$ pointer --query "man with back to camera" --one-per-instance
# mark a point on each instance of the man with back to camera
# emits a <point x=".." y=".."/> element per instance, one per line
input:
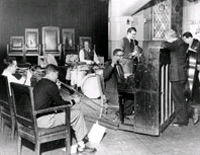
<point x="177" y="75"/>
<point x="46" y="94"/>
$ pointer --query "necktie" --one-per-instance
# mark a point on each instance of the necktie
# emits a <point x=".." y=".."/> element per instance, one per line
<point x="131" y="44"/>
<point x="120" y="72"/>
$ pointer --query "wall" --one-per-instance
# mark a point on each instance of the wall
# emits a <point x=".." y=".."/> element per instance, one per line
<point x="191" y="18"/>
<point x="88" y="17"/>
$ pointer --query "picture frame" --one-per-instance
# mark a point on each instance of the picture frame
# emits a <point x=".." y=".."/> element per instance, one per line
<point x="31" y="38"/>
<point x="68" y="38"/>
<point x="82" y="39"/>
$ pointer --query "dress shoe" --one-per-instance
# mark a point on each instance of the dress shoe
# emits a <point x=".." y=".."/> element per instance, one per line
<point x="195" y="118"/>
<point x="86" y="149"/>
<point x="176" y="124"/>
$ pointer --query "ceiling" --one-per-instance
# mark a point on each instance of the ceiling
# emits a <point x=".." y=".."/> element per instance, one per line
<point x="131" y="7"/>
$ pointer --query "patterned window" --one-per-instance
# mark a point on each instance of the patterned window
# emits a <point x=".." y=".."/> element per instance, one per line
<point x="161" y="19"/>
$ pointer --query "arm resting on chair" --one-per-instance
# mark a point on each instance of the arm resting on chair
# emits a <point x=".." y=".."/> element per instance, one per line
<point x="53" y="109"/>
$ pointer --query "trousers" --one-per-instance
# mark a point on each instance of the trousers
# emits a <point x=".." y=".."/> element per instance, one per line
<point x="181" y="106"/>
<point x="77" y="121"/>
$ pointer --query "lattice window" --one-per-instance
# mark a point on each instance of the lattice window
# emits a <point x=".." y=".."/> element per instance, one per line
<point x="161" y="19"/>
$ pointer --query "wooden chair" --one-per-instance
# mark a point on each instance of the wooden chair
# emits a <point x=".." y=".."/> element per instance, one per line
<point x="51" y="41"/>
<point x="16" y="46"/>
<point x="26" y="118"/>
<point x="6" y="106"/>
<point x="32" y="46"/>
<point x="68" y="40"/>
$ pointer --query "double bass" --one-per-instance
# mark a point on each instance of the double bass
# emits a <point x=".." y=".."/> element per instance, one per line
<point x="191" y="68"/>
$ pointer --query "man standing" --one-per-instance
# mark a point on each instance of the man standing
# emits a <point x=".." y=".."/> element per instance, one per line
<point x="132" y="52"/>
<point x="177" y="75"/>
<point x="46" y="94"/>
<point x="194" y="49"/>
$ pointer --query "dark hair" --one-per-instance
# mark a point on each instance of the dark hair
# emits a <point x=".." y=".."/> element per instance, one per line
<point x="51" y="68"/>
<point x="9" y="61"/>
<point x="130" y="29"/>
<point x="117" y="50"/>
<point x="187" y="34"/>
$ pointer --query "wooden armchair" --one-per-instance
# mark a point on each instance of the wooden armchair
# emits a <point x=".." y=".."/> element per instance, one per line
<point x="16" y="46"/>
<point x="51" y="41"/>
<point x="32" y="46"/>
<point x="26" y="116"/>
<point x="6" y="106"/>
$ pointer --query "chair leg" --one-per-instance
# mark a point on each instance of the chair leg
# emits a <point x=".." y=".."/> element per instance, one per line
<point x="2" y="125"/>
<point x="19" y="147"/>
<point x="68" y="145"/>
<point x="12" y="130"/>
<point x="37" y="148"/>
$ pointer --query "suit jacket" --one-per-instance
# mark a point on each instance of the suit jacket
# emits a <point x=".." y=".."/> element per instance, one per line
<point x="127" y="47"/>
<point x="196" y="47"/>
<point x="177" y="69"/>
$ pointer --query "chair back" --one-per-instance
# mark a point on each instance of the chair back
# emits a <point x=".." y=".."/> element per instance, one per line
<point x="4" y="88"/>
<point x="51" y="40"/>
<point x="16" y="46"/>
<point x="32" y="47"/>
<point x="25" y="114"/>
<point x="23" y="105"/>
<point x="6" y="106"/>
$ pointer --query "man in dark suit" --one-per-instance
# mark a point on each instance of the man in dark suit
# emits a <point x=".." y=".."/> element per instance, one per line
<point x="111" y="76"/>
<point x="177" y="75"/>
<point x="132" y="52"/>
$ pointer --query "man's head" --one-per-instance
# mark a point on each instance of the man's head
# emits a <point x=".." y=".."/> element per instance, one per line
<point x="118" y="55"/>
<point x="86" y="45"/>
<point x="187" y="37"/>
<point x="51" y="72"/>
<point x="171" y="35"/>
<point x="131" y="33"/>
<point x="11" y="63"/>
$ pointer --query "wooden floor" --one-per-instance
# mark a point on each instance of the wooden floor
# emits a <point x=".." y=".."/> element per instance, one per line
<point x="174" y="141"/>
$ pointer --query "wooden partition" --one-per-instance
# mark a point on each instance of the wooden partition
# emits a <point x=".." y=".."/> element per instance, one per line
<point x="154" y="109"/>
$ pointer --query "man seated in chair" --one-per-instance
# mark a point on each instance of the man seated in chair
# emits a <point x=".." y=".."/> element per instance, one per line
<point x="111" y="76"/>
<point x="10" y="70"/>
<point x="46" y="94"/>
<point x="88" y="55"/>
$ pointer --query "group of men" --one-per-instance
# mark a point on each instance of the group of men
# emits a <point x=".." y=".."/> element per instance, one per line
<point x="179" y="48"/>
<point x="46" y="94"/>
<point x="123" y="63"/>
<point x="46" y="91"/>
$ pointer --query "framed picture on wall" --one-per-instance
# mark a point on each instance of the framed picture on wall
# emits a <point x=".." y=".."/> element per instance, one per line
<point x="82" y="39"/>
<point x="68" y="38"/>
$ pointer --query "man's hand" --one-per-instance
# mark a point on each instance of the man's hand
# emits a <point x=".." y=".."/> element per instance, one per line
<point x="76" y="98"/>
<point x="29" y="74"/>
<point x="90" y="62"/>
<point x="114" y="61"/>
<point x="134" y="54"/>
<point x="198" y="67"/>
<point x="58" y="83"/>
